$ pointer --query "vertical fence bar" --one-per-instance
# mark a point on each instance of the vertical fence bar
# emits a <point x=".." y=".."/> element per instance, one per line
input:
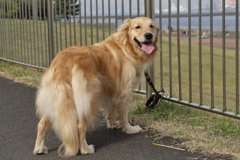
<point x="41" y="33"/>
<point x="8" y="33"/>
<point x="22" y="32"/>
<point x="116" y="15"/>
<point x="138" y="8"/>
<point x="149" y="12"/>
<point x="37" y="28"/>
<point x="211" y="54"/>
<point x="85" y="22"/>
<point x="170" y="47"/>
<point x="80" y="23"/>
<point x="30" y="31"/>
<point x="57" y="24"/>
<point x="122" y="10"/>
<point x="16" y="35"/>
<point x="65" y="23"/>
<point x="224" y="55"/>
<point x="5" y="33"/>
<point x="130" y="8"/>
<point x="109" y="18"/>
<point x="160" y="44"/>
<point x="74" y="21"/>
<point x="45" y="35"/>
<point x="237" y="56"/>
<point x="1" y="31"/>
<point x="50" y="31"/>
<point x="60" y="24"/>
<point x="26" y="33"/>
<point x="179" y="53"/>
<point x="200" y="52"/>
<point x="69" y="22"/>
<point x="103" y="21"/>
<point x="91" y="22"/>
<point x="97" y="21"/>
<point x="138" y="13"/>
<point x="11" y="31"/>
<point x="189" y="51"/>
<point x="34" y="8"/>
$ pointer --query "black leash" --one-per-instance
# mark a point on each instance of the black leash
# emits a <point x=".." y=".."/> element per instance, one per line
<point x="155" y="98"/>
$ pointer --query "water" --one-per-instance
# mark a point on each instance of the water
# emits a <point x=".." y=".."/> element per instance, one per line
<point x="230" y="22"/>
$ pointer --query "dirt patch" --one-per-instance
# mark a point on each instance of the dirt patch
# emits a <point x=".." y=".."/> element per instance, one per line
<point x="175" y="143"/>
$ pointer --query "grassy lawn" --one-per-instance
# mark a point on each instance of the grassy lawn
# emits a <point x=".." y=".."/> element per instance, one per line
<point x="199" y="130"/>
<point x="206" y="72"/>
<point x="27" y="40"/>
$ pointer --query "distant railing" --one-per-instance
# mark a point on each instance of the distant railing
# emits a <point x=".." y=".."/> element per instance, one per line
<point x="198" y="69"/>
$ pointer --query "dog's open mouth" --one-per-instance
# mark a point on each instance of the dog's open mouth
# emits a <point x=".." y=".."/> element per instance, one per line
<point x="146" y="47"/>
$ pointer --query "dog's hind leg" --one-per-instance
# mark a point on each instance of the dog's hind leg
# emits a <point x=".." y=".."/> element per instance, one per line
<point x="43" y="126"/>
<point x="68" y="121"/>
<point x="84" y="147"/>
<point x="84" y="94"/>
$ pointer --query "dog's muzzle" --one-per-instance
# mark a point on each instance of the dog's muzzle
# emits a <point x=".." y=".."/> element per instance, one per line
<point x="146" y="46"/>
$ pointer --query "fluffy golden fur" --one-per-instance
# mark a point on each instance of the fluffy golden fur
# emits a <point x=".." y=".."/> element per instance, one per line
<point x="80" y="78"/>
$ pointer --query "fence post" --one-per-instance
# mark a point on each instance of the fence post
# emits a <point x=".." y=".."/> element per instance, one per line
<point x="50" y="30"/>
<point x="150" y="12"/>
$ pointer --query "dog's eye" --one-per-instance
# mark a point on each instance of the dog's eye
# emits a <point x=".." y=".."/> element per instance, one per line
<point x="138" y="27"/>
<point x="151" y="26"/>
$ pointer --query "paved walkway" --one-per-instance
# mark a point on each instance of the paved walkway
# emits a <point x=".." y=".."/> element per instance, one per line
<point x="18" y="132"/>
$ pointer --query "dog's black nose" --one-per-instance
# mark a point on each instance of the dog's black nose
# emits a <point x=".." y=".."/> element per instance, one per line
<point x="148" y="36"/>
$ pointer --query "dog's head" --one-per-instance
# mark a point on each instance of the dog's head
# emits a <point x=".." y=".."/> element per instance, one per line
<point x="142" y="32"/>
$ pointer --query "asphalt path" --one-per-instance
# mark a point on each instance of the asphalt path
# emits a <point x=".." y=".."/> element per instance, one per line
<point x="18" y="132"/>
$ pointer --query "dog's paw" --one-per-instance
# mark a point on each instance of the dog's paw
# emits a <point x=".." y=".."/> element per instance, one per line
<point x="88" y="149"/>
<point x="40" y="151"/>
<point x="116" y="125"/>
<point x="132" y="129"/>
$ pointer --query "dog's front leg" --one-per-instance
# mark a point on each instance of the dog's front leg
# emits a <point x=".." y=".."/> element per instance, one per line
<point x="126" y="126"/>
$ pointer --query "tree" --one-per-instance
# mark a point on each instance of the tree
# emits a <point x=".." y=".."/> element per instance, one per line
<point x="66" y="8"/>
<point x="8" y="8"/>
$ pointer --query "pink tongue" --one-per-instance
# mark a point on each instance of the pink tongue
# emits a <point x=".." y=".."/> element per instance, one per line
<point x="148" y="48"/>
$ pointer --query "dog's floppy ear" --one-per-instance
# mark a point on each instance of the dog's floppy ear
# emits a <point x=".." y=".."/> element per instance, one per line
<point x="123" y="29"/>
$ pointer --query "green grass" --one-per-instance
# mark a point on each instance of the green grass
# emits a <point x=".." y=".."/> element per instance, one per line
<point x="182" y="114"/>
<point x="19" y="73"/>
<point x="195" y="78"/>
<point x="27" y="40"/>
<point x="200" y="130"/>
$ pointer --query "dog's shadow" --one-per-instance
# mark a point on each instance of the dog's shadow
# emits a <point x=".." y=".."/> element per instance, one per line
<point x="101" y="136"/>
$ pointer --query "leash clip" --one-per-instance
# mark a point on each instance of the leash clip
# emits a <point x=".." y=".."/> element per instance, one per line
<point x="154" y="99"/>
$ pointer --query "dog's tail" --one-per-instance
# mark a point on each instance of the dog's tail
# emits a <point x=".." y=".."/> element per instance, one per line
<point x="68" y="129"/>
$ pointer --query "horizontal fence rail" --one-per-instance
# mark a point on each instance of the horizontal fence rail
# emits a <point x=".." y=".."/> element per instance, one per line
<point x="197" y="65"/>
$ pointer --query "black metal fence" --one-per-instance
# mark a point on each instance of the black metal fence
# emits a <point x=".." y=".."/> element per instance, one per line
<point x="198" y="64"/>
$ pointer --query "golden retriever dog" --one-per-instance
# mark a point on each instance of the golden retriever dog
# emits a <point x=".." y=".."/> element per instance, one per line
<point x="82" y="78"/>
